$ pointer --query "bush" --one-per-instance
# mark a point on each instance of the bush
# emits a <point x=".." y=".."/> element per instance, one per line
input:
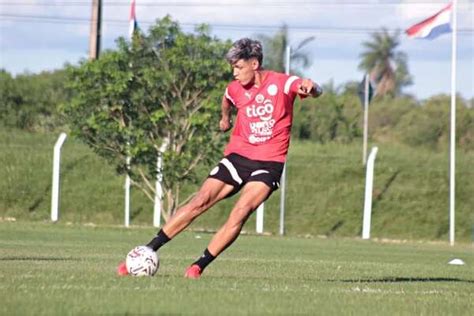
<point x="386" y="114"/>
<point x="330" y="118"/>
<point x="31" y="101"/>
<point x="428" y="125"/>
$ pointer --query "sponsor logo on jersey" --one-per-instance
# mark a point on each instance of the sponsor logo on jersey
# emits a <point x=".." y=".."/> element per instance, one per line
<point x="259" y="98"/>
<point x="261" y="130"/>
<point x="256" y="139"/>
<point x="272" y="90"/>
<point x="263" y="111"/>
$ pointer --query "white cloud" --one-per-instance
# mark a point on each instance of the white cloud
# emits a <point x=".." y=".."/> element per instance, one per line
<point x="408" y="10"/>
<point x="411" y="12"/>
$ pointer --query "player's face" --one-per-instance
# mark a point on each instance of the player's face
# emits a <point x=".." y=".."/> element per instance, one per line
<point x="244" y="70"/>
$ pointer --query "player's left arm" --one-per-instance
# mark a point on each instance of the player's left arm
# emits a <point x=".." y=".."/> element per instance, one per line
<point x="308" y="87"/>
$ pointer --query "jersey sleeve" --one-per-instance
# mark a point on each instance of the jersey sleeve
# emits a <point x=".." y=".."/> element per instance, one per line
<point x="291" y="85"/>
<point x="229" y="94"/>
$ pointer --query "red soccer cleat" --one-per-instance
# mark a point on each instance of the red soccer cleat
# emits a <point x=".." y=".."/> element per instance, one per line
<point x="193" y="272"/>
<point x="122" y="269"/>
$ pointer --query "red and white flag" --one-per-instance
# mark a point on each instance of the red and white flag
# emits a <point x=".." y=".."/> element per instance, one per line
<point x="133" y="20"/>
<point x="433" y="26"/>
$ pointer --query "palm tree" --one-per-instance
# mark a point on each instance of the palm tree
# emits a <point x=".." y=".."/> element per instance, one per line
<point x="275" y="51"/>
<point x="386" y="66"/>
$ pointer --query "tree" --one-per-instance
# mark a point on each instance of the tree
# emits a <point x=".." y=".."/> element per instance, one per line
<point x="386" y="66"/>
<point x="275" y="50"/>
<point x="165" y="87"/>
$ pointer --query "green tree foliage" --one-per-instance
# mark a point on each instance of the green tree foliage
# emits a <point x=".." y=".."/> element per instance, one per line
<point x="337" y="116"/>
<point x="275" y="51"/>
<point x="332" y="117"/>
<point x="386" y="113"/>
<point x="386" y="66"/>
<point x="465" y="126"/>
<point x="31" y="101"/>
<point x="164" y="88"/>
<point x="429" y="125"/>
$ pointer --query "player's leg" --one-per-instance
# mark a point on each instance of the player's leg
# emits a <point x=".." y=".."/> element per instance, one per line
<point x="253" y="194"/>
<point x="211" y="192"/>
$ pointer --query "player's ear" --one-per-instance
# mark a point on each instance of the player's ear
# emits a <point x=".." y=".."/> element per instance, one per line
<point x="255" y="64"/>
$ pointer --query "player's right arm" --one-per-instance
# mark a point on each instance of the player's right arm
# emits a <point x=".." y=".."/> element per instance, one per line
<point x="225" y="123"/>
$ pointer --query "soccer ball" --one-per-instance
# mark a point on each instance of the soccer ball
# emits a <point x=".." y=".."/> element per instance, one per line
<point x="142" y="261"/>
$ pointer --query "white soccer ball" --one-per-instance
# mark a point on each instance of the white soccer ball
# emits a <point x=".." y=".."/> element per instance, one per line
<point x="142" y="261"/>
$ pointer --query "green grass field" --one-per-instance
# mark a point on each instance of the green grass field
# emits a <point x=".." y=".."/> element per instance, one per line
<point x="48" y="269"/>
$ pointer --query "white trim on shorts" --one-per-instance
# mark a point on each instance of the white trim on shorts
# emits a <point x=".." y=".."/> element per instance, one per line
<point x="232" y="170"/>
<point x="257" y="172"/>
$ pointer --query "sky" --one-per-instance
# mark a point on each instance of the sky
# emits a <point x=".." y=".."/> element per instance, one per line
<point x="43" y="35"/>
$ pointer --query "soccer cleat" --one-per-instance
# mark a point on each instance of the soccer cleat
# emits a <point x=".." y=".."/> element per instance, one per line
<point x="193" y="272"/>
<point x="122" y="269"/>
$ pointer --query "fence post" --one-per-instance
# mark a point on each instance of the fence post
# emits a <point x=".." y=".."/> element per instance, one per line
<point x="158" y="206"/>
<point x="127" y="195"/>
<point x="55" y="186"/>
<point x="369" y="182"/>
<point x="260" y="211"/>
<point x="158" y="192"/>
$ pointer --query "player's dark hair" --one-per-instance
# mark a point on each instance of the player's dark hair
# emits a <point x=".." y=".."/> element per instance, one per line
<point x="245" y="48"/>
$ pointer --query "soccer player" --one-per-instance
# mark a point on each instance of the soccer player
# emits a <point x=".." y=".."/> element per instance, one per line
<point x="255" y="155"/>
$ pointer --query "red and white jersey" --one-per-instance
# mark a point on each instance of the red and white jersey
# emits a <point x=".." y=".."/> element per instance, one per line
<point x="264" y="117"/>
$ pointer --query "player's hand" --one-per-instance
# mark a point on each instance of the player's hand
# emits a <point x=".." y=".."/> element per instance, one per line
<point x="225" y="124"/>
<point x="309" y="88"/>
<point x="305" y="87"/>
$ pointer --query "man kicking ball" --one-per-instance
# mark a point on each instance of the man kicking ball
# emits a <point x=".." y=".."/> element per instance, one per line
<point x="255" y="155"/>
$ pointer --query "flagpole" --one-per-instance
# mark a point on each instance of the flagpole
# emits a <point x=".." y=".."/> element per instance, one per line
<point x="366" y="119"/>
<point x="283" y="174"/>
<point x="128" y="159"/>
<point x="453" y="127"/>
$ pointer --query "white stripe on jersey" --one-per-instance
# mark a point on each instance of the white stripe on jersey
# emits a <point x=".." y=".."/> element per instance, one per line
<point x="257" y="172"/>
<point x="228" y="96"/>
<point x="288" y="83"/>
<point x="232" y="170"/>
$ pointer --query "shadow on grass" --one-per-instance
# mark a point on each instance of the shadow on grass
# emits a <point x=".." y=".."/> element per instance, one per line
<point x="379" y="195"/>
<point x="38" y="259"/>
<point x="403" y="280"/>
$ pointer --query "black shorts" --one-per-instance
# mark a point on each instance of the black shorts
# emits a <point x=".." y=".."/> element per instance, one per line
<point x="237" y="170"/>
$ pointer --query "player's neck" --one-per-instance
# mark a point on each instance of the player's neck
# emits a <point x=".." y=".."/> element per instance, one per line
<point x="259" y="77"/>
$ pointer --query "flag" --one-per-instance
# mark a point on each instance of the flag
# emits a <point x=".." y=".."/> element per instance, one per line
<point x="433" y="26"/>
<point x="133" y="20"/>
<point x="361" y="91"/>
